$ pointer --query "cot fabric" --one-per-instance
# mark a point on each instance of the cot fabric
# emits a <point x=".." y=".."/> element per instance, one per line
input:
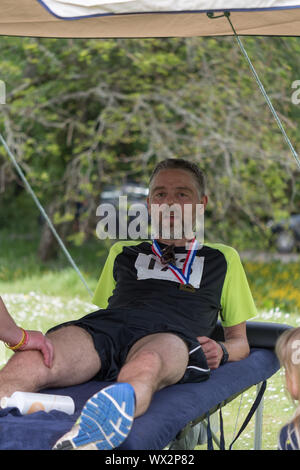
<point x="171" y="409"/>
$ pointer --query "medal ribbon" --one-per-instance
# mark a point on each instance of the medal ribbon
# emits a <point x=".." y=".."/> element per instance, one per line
<point x="183" y="275"/>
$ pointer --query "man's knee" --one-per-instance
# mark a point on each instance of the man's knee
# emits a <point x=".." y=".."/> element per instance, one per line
<point x="148" y="358"/>
<point x="163" y="355"/>
<point x="28" y="365"/>
<point x="75" y="357"/>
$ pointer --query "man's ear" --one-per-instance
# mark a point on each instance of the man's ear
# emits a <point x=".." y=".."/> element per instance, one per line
<point x="204" y="201"/>
<point x="148" y="205"/>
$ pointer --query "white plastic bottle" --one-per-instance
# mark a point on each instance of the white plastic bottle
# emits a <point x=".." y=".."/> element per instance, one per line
<point x="28" y="403"/>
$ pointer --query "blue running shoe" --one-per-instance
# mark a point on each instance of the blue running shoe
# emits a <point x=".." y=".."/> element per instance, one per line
<point x="105" y="420"/>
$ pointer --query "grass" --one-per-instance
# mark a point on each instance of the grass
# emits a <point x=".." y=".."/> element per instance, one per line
<point x="21" y="271"/>
<point x="278" y="408"/>
<point x="40" y="295"/>
<point x="34" y="311"/>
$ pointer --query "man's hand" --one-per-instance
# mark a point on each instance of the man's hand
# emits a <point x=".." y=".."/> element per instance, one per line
<point x="36" y="340"/>
<point x="236" y="343"/>
<point x="212" y="351"/>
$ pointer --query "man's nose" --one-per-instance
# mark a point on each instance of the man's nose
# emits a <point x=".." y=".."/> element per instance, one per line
<point x="170" y="199"/>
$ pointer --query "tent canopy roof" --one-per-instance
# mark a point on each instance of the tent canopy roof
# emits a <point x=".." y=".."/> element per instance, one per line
<point x="145" y="18"/>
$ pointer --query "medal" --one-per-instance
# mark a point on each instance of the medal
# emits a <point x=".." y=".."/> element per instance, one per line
<point x="183" y="276"/>
<point x="187" y="288"/>
<point x="168" y="255"/>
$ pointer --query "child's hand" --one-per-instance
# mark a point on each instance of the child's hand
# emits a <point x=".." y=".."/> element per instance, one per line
<point x="36" y="340"/>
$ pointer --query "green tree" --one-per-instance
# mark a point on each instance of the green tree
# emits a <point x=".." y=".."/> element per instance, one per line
<point x="81" y="113"/>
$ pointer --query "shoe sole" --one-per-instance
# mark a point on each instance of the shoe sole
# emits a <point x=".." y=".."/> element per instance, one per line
<point x="105" y="420"/>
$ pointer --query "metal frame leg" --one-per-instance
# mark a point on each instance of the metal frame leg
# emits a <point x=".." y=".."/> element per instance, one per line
<point x="258" y="421"/>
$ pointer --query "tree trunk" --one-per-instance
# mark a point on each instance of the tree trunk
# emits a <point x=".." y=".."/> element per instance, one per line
<point x="48" y="246"/>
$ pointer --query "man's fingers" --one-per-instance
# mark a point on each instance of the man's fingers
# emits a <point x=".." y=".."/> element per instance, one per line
<point x="211" y="351"/>
<point x="51" y="353"/>
<point x="203" y="339"/>
<point x="206" y="343"/>
<point x="47" y="352"/>
<point x="37" y="341"/>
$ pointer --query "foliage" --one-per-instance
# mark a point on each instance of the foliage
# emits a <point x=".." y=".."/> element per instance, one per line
<point x="275" y="285"/>
<point x="81" y="113"/>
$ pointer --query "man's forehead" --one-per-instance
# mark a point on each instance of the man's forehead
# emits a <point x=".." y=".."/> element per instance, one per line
<point x="164" y="186"/>
<point x="175" y="177"/>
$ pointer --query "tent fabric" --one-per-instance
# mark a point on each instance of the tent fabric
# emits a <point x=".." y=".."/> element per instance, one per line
<point x="170" y="411"/>
<point x="33" y="18"/>
<point x="84" y="8"/>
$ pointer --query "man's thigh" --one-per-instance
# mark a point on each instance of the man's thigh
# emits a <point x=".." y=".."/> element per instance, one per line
<point x="75" y="357"/>
<point x="172" y="351"/>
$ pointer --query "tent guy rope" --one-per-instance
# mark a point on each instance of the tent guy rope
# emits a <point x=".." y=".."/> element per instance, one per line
<point x="43" y="212"/>
<point x="260" y="85"/>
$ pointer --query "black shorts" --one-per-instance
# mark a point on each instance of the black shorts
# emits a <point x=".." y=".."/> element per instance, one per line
<point x="115" y="331"/>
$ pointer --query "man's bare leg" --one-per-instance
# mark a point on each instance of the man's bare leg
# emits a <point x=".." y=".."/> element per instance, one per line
<point x="154" y="362"/>
<point x="75" y="361"/>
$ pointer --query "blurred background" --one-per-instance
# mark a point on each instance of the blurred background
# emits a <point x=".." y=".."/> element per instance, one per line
<point x="87" y="120"/>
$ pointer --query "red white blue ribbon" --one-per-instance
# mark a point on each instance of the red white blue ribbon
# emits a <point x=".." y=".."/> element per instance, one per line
<point x="183" y="275"/>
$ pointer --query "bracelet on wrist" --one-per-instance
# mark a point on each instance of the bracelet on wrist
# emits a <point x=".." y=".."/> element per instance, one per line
<point x="23" y="342"/>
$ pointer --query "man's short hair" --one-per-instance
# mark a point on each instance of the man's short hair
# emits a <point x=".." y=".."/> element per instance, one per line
<point x="181" y="164"/>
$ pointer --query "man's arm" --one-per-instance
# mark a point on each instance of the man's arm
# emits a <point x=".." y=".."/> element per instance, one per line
<point x="22" y="340"/>
<point x="236" y="343"/>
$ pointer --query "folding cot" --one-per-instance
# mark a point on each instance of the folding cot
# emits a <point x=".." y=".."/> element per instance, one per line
<point x="173" y="411"/>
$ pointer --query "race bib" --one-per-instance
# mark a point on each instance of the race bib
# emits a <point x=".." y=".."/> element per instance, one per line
<point x="149" y="267"/>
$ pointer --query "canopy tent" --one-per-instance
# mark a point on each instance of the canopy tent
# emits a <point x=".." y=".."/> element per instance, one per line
<point x="145" y="18"/>
<point x="133" y="19"/>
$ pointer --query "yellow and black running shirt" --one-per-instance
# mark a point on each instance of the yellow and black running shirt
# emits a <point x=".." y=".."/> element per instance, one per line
<point x="134" y="278"/>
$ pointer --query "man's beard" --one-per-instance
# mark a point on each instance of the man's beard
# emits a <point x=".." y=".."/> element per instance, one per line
<point x="173" y="230"/>
<point x="176" y="223"/>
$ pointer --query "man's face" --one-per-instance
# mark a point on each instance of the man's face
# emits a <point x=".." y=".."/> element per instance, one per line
<point x="176" y="189"/>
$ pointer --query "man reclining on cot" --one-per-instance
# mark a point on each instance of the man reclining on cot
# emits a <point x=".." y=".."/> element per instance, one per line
<point x="159" y="303"/>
